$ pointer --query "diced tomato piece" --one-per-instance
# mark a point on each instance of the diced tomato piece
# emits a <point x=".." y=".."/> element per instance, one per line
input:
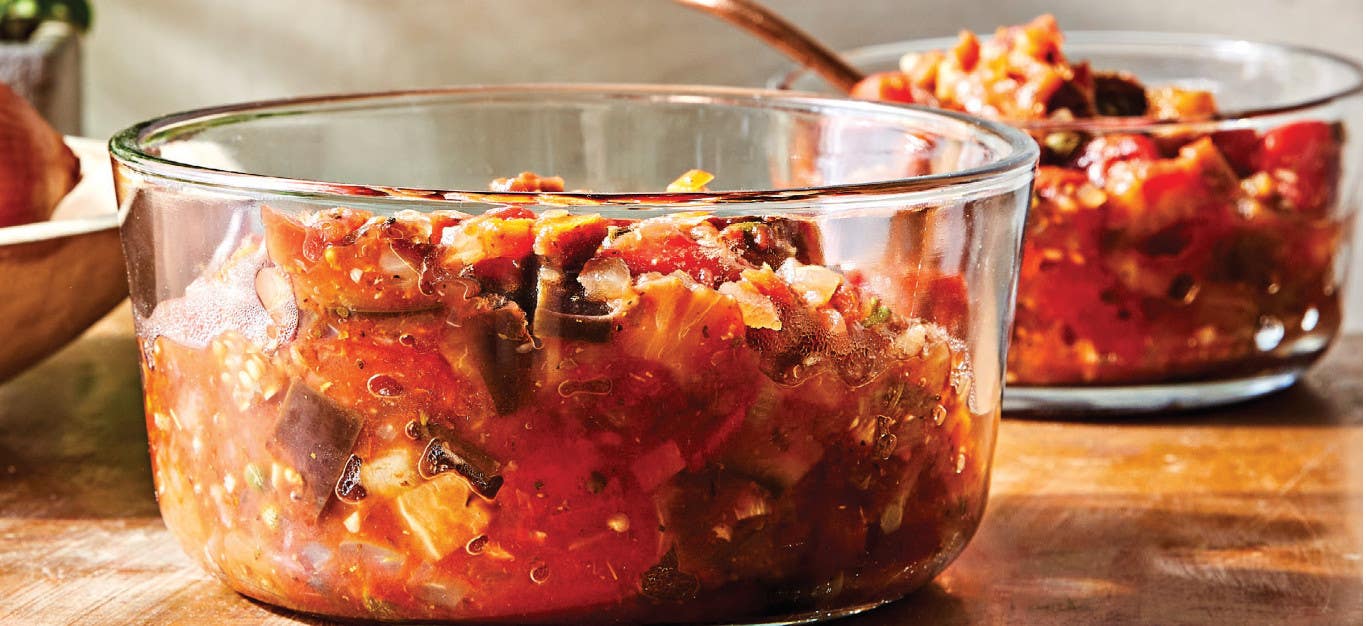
<point x="500" y="233"/>
<point x="511" y="213"/>
<point x="1239" y="147"/>
<point x="664" y="247"/>
<point x="658" y="465"/>
<point x="884" y="86"/>
<point x="1175" y="103"/>
<point x="1305" y="160"/>
<point x="944" y="301"/>
<point x="567" y="242"/>
<point x="349" y="259"/>
<point x="1148" y="196"/>
<point x="1106" y="150"/>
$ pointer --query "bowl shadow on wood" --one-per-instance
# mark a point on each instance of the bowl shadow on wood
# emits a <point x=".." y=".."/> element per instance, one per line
<point x="73" y="440"/>
<point x="1134" y="559"/>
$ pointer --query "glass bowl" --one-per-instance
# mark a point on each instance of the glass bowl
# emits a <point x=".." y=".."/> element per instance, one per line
<point x="378" y="388"/>
<point x="1132" y="301"/>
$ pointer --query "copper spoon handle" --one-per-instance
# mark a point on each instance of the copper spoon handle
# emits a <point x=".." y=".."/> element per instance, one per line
<point x="783" y="36"/>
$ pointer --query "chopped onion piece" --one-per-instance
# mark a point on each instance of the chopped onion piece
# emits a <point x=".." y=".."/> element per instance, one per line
<point x="691" y="181"/>
<point x="912" y="341"/>
<point x="816" y="283"/>
<point x="606" y="279"/>
<point x="276" y="293"/>
<point x="391" y="474"/>
<point x="392" y="263"/>
<point x="441" y="515"/>
<point x="756" y="310"/>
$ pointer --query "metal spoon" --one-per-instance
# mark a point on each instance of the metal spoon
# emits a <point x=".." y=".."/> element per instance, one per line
<point x="780" y="34"/>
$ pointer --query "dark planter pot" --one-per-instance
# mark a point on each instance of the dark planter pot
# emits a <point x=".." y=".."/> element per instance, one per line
<point x="46" y="70"/>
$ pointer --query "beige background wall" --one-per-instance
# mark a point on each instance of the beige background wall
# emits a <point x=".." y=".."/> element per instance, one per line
<point x="147" y="57"/>
<point x="152" y="56"/>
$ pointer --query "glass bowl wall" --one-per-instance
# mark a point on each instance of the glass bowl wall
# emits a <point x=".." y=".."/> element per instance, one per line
<point x="377" y="389"/>
<point x="1132" y="305"/>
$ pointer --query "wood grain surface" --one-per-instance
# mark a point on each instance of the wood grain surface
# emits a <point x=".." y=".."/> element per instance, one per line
<point x="1250" y="514"/>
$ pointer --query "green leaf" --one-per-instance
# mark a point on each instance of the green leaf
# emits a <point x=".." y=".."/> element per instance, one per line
<point x="879" y="315"/>
<point x="76" y="12"/>
<point x="24" y="9"/>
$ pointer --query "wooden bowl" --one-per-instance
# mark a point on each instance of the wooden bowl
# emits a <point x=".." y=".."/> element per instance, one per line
<point x="60" y="276"/>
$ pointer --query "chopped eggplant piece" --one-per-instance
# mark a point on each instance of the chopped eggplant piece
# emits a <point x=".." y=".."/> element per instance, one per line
<point x="594" y="328"/>
<point x="563" y="310"/>
<point x="722" y="525"/>
<point x="508" y="348"/>
<point x="498" y="346"/>
<point x="772" y="240"/>
<point x="663" y="581"/>
<point x="1061" y="147"/>
<point x="1120" y="94"/>
<point x="776" y="452"/>
<point x="1073" y="98"/>
<point x="498" y="280"/>
<point x="449" y="454"/>
<point x="315" y="437"/>
<point x="566" y="243"/>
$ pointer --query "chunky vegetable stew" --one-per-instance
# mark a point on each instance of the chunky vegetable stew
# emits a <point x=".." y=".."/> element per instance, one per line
<point x="557" y="417"/>
<point x="1168" y="253"/>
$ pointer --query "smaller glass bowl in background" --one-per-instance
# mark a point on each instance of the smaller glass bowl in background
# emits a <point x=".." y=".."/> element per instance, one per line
<point x="370" y="396"/>
<point x="1162" y="303"/>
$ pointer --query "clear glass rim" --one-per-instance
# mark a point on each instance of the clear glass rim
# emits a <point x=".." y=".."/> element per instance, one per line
<point x="128" y="147"/>
<point x="1118" y="38"/>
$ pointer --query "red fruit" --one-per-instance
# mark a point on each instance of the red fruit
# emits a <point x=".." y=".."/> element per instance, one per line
<point x="36" y="168"/>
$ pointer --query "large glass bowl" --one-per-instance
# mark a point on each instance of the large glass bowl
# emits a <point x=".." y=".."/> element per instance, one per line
<point x="1132" y="302"/>
<point x="376" y="389"/>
